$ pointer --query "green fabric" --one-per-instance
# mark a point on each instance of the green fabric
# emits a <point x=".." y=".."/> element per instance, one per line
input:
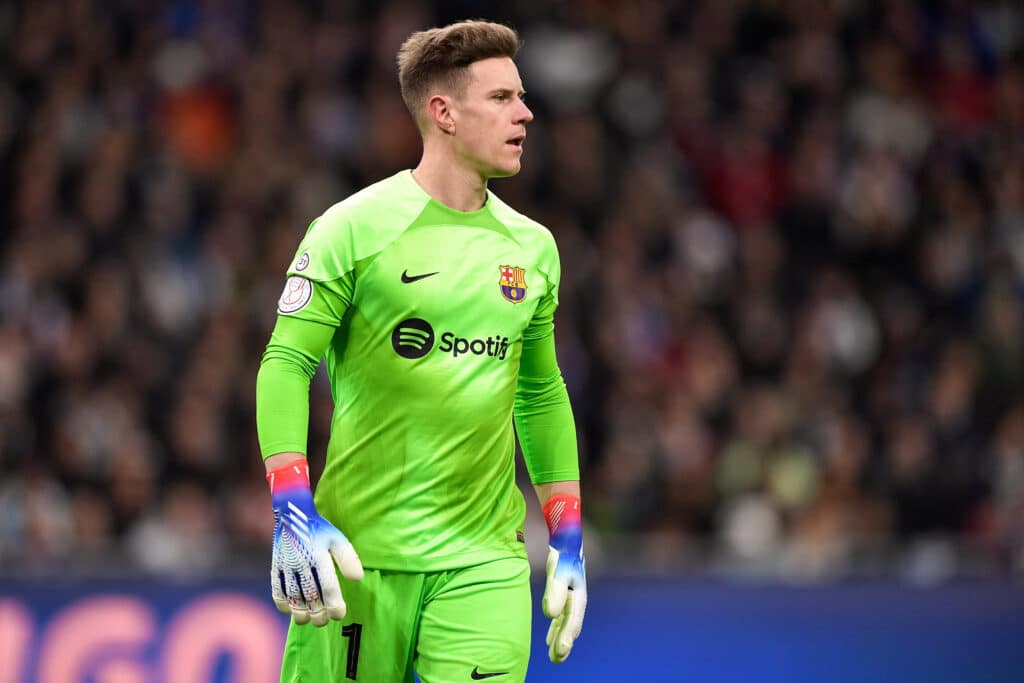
<point x="420" y="471"/>
<point x="443" y="625"/>
<point x="543" y="415"/>
<point x="282" y="384"/>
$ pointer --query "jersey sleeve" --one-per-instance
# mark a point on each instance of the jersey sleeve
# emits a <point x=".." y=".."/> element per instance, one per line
<point x="542" y="412"/>
<point x="316" y="295"/>
<point x="543" y="322"/>
<point x="282" y="384"/>
<point x="543" y="415"/>
<point x="322" y="275"/>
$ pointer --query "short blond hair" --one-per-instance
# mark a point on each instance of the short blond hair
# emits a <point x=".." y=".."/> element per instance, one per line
<point x="441" y="57"/>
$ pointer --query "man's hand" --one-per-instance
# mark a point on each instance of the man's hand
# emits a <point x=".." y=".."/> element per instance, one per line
<point x="565" y="594"/>
<point x="302" y="577"/>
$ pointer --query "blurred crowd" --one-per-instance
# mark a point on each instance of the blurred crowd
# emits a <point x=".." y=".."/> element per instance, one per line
<point x="792" y="239"/>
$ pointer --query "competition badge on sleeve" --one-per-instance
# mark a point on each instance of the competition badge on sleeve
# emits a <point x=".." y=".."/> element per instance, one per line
<point x="297" y="293"/>
<point x="512" y="283"/>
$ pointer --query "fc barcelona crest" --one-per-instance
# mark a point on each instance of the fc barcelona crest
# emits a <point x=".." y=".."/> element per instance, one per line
<point x="512" y="283"/>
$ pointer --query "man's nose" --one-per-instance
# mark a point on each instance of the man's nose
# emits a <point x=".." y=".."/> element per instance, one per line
<point x="524" y="115"/>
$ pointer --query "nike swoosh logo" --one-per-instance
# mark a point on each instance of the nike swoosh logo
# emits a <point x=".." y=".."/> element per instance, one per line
<point x="477" y="676"/>
<point x="406" y="278"/>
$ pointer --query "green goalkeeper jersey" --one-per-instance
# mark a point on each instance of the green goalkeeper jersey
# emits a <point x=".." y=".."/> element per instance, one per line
<point x="424" y="313"/>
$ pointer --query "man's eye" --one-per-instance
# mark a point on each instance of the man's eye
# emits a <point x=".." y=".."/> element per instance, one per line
<point x="501" y="98"/>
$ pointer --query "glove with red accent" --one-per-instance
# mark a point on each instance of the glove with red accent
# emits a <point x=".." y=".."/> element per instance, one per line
<point x="565" y="593"/>
<point x="302" y="577"/>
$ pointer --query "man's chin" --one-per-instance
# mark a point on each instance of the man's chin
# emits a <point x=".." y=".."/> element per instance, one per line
<point x="505" y="172"/>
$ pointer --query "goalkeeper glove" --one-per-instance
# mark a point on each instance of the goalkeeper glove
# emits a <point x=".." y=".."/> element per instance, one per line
<point x="565" y="594"/>
<point x="302" y="577"/>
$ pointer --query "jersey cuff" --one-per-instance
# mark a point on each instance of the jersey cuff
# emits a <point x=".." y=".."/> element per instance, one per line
<point x="550" y="476"/>
<point x="272" y="449"/>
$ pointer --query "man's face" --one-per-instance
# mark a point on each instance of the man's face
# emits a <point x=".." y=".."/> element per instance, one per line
<point x="490" y="119"/>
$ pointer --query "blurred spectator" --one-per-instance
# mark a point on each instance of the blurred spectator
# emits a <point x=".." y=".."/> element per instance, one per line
<point x="793" y="268"/>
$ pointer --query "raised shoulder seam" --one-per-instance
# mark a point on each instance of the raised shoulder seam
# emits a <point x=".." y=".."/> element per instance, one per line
<point x="523" y="224"/>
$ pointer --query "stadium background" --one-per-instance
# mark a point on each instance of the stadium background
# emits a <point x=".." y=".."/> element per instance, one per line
<point x="792" y="235"/>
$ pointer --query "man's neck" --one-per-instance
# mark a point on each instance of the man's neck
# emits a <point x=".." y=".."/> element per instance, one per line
<point x="454" y="186"/>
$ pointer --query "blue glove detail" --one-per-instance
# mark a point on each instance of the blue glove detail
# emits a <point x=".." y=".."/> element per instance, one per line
<point x="565" y="592"/>
<point x="303" y="581"/>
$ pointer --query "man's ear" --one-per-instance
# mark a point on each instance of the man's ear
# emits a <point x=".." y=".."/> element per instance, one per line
<point x="439" y="111"/>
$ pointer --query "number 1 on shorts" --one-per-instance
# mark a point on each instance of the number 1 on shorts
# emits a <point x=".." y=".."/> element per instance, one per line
<point x="353" y="632"/>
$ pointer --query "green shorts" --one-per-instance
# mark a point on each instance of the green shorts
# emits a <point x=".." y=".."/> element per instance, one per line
<point x="451" y="626"/>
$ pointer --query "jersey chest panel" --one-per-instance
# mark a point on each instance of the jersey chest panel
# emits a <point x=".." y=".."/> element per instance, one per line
<point x="471" y="281"/>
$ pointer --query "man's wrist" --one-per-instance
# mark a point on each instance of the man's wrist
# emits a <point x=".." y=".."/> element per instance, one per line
<point x="278" y="460"/>
<point x="288" y="477"/>
<point x="562" y="511"/>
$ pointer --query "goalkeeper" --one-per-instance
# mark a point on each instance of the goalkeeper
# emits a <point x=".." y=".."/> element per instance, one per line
<point x="432" y="303"/>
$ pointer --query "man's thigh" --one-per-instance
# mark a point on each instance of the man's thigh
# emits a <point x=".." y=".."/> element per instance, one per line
<point x="475" y="625"/>
<point x="374" y="643"/>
